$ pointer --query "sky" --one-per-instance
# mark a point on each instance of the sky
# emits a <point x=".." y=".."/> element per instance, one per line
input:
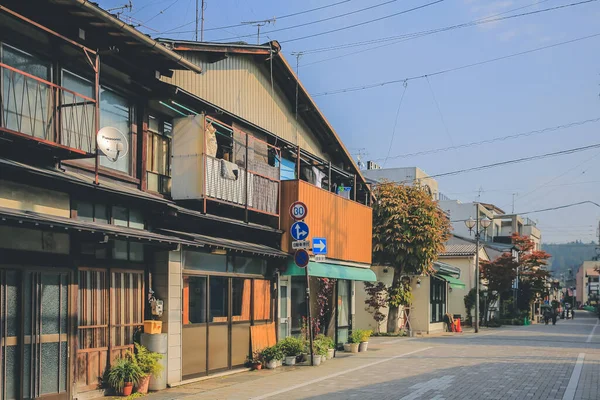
<point x="551" y="87"/>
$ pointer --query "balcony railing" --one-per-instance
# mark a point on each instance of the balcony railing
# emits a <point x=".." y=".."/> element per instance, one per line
<point x="34" y="108"/>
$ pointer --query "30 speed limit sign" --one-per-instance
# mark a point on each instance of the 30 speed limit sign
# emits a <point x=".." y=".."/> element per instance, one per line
<point x="298" y="211"/>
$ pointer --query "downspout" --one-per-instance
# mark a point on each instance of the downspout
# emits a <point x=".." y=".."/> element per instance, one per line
<point x="153" y="44"/>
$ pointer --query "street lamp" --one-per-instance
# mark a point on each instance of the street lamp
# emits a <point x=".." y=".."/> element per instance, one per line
<point x="478" y="224"/>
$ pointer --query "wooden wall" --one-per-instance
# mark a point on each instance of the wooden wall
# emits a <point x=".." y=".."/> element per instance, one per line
<point x="347" y="225"/>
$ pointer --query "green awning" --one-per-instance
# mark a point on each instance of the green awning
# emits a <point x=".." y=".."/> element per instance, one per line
<point x="336" y="271"/>
<point x="454" y="282"/>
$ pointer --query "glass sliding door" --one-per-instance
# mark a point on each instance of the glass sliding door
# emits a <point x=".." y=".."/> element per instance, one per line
<point x="343" y="311"/>
<point x="284" y="310"/>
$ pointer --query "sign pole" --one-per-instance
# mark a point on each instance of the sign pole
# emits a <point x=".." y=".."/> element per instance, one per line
<point x="308" y="312"/>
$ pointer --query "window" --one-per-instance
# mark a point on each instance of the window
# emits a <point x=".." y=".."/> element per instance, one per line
<point x="298" y="297"/>
<point x="262" y="299"/>
<point x="158" y="160"/>
<point x="194" y="300"/>
<point x="77" y="113"/>
<point x="241" y="292"/>
<point x="115" y="111"/>
<point x="27" y="105"/>
<point x="218" y="299"/>
<point x="121" y="216"/>
<point x="343" y="303"/>
<point x="437" y="299"/>
<point x="249" y="265"/>
<point x="204" y="261"/>
<point x="127" y="250"/>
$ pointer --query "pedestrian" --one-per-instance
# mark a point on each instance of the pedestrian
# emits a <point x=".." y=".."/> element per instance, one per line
<point x="554" y="316"/>
<point x="573" y="313"/>
<point x="547" y="315"/>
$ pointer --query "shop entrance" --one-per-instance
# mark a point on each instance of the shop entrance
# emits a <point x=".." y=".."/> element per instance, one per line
<point x="34" y="326"/>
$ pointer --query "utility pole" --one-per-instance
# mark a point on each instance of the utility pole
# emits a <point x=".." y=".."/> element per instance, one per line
<point x="258" y="25"/>
<point x="297" y="55"/>
<point x="513" y="202"/>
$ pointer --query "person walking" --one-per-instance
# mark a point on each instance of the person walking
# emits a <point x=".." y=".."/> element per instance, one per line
<point x="554" y="316"/>
<point x="573" y="313"/>
<point x="547" y="315"/>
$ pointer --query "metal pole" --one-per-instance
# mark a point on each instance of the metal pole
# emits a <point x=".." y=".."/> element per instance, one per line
<point x="201" y="25"/>
<point x="196" y="36"/>
<point x="309" y="313"/>
<point x="97" y="111"/>
<point x="477" y="272"/>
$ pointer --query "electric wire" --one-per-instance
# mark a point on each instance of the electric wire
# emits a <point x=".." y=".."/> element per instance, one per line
<point x="396" y="122"/>
<point x="367" y="22"/>
<point x="437" y="105"/>
<point x="321" y="20"/>
<point x="494" y="140"/>
<point x="445" y="71"/>
<point x="416" y="35"/>
<point x="502" y="163"/>
<point x="240" y="25"/>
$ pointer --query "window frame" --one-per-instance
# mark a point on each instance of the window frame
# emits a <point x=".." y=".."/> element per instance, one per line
<point x="164" y="179"/>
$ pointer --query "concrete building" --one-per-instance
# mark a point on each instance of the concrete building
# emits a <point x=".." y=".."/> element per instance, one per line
<point x="587" y="283"/>
<point x="408" y="176"/>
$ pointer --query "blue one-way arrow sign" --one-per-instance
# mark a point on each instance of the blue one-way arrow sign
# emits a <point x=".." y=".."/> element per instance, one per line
<point x="319" y="246"/>
<point x="299" y="230"/>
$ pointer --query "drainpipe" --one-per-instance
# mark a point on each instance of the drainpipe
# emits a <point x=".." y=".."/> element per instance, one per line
<point x="153" y="44"/>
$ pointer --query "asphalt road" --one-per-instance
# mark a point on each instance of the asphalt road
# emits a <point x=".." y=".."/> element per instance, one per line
<point x="533" y="362"/>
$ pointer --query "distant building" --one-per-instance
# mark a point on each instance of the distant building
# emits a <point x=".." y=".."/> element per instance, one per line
<point x="587" y="283"/>
<point x="408" y="176"/>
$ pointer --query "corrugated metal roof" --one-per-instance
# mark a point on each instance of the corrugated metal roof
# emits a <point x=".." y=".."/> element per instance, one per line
<point x="459" y="250"/>
<point x="229" y="244"/>
<point x="51" y="221"/>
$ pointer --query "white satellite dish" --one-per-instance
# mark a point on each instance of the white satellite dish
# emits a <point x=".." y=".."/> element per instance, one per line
<point x="112" y="143"/>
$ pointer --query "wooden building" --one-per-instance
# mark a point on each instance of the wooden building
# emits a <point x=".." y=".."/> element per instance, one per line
<point x="192" y="210"/>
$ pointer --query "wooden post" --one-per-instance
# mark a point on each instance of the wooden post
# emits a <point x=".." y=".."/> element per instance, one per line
<point x="298" y="164"/>
<point x="97" y="124"/>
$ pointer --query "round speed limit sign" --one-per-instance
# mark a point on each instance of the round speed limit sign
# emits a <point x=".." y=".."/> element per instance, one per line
<point x="298" y="211"/>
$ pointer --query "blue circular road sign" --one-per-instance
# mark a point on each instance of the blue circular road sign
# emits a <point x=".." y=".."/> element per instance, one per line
<point x="301" y="258"/>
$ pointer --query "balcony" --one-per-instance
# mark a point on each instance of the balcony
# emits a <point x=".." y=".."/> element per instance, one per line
<point x="347" y="225"/>
<point x="217" y="163"/>
<point x="37" y="112"/>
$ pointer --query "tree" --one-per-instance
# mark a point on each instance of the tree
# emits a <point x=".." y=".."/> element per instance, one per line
<point x="409" y="231"/>
<point x="500" y="274"/>
<point x="377" y="298"/>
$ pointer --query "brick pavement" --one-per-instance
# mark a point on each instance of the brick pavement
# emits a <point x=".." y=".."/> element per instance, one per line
<point x="534" y="362"/>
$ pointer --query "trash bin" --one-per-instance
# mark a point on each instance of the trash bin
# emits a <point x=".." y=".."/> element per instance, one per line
<point x="157" y="343"/>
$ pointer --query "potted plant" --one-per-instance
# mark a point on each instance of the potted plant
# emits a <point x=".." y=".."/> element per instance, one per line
<point x="364" y="339"/>
<point x="291" y="348"/>
<point x="255" y="360"/>
<point x="149" y="364"/>
<point x="353" y="341"/>
<point x="329" y="344"/>
<point x="320" y="354"/>
<point x="272" y="355"/>
<point x="123" y="374"/>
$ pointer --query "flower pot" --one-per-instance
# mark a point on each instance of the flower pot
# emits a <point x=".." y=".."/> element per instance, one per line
<point x="272" y="364"/>
<point x="323" y="358"/>
<point x="330" y="354"/>
<point x="257" y="366"/>
<point x="127" y="389"/>
<point x="363" y="346"/>
<point x="142" y="386"/>
<point x="351" y="347"/>
<point x="316" y="359"/>
<point x="290" y="360"/>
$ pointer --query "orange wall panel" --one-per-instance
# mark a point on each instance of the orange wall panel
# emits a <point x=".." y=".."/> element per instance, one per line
<point x="347" y="225"/>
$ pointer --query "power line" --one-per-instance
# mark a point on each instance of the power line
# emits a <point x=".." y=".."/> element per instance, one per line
<point x="406" y="37"/>
<point x="322" y="20"/>
<point x="501" y="163"/>
<point x="371" y="86"/>
<point x="162" y="11"/>
<point x="421" y="33"/>
<point x="560" y="207"/>
<point x="367" y="22"/>
<point x="437" y="105"/>
<point x="239" y="25"/>
<point x="493" y="140"/>
<point x="396" y="123"/>
<point x="510" y="190"/>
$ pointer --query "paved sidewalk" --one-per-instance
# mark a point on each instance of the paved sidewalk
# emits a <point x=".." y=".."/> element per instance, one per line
<point x="538" y="362"/>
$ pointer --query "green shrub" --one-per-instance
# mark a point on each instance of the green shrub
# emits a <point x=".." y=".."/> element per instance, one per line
<point x="355" y="336"/>
<point x="292" y="346"/>
<point x="124" y="370"/>
<point x="365" y="335"/>
<point x="321" y="347"/>
<point x="329" y="342"/>
<point x="147" y="360"/>
<point x="272" y="353"/>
